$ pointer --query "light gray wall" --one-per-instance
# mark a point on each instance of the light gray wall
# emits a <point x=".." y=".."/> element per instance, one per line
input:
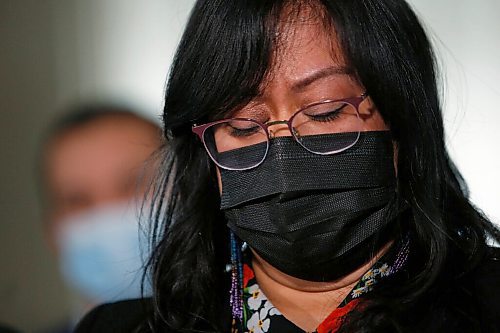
<point x="57" y="52"/>
<point x="116" y="49"/>
<point x="29" y="287"/>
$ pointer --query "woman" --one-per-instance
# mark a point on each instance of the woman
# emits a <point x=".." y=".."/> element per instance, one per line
<point x="317" y="170"/>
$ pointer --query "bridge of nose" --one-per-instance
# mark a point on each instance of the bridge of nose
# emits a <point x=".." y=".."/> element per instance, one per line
<point x="278" y="128"/>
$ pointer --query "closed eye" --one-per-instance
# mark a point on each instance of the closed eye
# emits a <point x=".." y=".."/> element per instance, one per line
<point x="330" y="114"/>
<point x="243" y="131"/>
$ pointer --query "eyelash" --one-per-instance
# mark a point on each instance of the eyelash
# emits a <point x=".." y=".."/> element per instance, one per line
<point x="329" y="116"/>
<point x="237" y="132"/>
<point x="326" y="118"/>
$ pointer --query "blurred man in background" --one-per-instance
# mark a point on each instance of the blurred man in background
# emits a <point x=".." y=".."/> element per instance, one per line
<point x="91" y="165"/>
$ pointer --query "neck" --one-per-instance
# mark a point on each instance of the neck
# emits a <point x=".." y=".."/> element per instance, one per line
<point x="306" y="303"/>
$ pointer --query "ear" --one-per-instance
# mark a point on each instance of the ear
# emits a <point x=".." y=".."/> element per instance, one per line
<point x="371" y="117"/>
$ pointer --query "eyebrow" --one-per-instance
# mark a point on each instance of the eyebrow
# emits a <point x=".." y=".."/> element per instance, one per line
<point x="302" y="83"/>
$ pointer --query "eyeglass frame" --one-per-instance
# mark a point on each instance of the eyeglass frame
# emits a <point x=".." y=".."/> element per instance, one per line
<point x="199" y="130"/>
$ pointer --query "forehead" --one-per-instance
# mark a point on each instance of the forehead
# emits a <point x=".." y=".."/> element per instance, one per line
<point x="100" y="149"/>
<point x="305" y="40"/>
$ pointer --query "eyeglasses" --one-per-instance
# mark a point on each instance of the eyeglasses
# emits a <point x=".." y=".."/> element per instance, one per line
<point x="309" y="126"/>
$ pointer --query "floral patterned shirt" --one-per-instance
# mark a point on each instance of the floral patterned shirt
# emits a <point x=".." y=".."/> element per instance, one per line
<point x="260" y="316"/>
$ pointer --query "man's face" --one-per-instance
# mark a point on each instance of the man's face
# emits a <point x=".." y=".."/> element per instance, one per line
<point x="96" y="164"/>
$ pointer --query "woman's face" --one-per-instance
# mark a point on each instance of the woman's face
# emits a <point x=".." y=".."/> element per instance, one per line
<point x="308" y="67"/>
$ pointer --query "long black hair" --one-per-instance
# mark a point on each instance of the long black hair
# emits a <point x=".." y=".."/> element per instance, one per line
<point x="222" y="62"/>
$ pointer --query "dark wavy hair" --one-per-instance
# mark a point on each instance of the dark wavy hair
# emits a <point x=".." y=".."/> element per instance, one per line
<point x="222" y="62"/>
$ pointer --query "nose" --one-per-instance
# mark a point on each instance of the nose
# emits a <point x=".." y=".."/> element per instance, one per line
<point x="280" y="128"/>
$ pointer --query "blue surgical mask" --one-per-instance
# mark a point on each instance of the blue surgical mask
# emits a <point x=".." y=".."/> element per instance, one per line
<point x="102" y="253"/>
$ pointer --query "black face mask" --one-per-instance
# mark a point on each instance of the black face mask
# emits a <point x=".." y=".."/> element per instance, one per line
<point x="314" y="217"/>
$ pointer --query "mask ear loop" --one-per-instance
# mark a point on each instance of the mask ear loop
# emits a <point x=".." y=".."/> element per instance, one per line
<point x="236" y="293"/>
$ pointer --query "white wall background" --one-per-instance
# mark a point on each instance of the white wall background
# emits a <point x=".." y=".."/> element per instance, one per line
<point x="60" y="52"/>
<point x="116" y="50"/>
<point x="467" y="38"/>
